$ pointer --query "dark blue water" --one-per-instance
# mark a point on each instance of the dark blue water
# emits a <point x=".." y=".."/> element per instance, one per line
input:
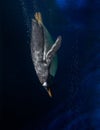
<point x="76" y="88"/>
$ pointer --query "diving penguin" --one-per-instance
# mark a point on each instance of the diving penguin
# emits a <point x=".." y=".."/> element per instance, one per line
<point x="43" y="51"/>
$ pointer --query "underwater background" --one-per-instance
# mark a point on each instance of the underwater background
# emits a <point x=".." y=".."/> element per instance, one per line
<point x="75" y="104"/>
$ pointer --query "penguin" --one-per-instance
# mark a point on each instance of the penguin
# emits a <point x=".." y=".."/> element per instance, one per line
<point x="43" y="52"/>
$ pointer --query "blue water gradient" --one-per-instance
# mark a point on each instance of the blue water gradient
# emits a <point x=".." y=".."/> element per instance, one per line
<point x="63" y="4"/>
<point x="75" y="104"/>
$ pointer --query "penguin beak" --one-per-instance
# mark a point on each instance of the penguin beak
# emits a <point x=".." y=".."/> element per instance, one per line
<point x="49" y="92"/>
<point x="47" y="89"/>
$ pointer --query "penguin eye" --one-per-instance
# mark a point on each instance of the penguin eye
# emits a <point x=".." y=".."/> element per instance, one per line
<point x="45" y="85"/>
